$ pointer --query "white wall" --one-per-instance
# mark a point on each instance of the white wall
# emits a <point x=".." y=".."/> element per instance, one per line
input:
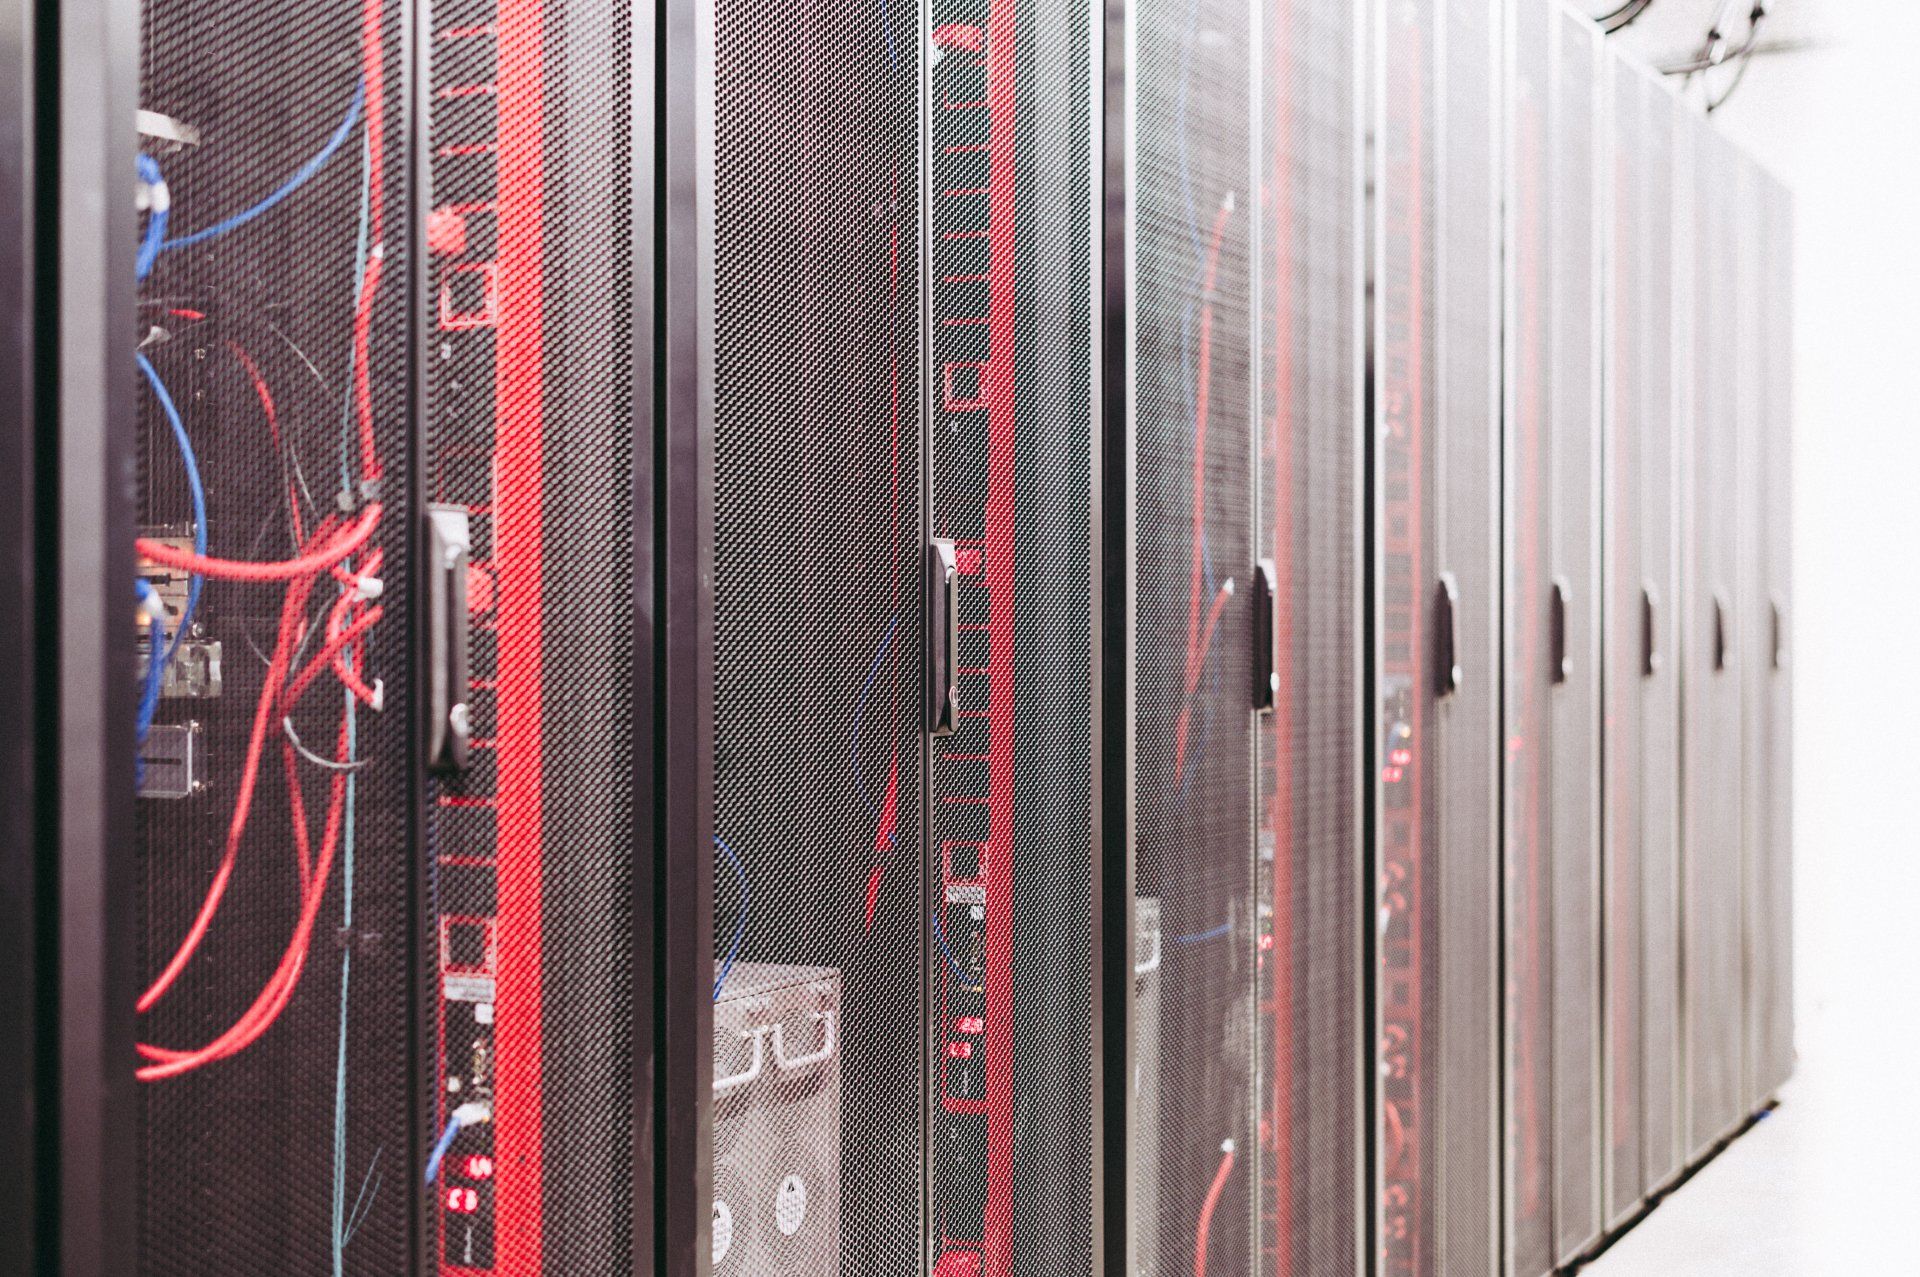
<point x="1841" y="126"/>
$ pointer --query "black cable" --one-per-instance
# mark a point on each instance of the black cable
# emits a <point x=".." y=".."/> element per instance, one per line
<point x="1625" y="16"/>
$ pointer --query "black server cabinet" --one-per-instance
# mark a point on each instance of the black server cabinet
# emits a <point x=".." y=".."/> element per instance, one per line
<point x="1310" y="1028"/>
<point x="1195" y="297"/>
<point x="389" y="503"/>
<point x="1640" y="773"/>
<point x="1435" y="407"/>
<point x="1711" y="937"/>
<point x="1768" y="795"/>
<point x="1552" y="632"/>
<point x="1238" y="576"/>
<point x="880" y="441"/>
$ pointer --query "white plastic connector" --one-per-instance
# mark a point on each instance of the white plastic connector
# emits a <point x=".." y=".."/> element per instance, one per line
<point x="379" y="701"/>
<point x="371" y="587"/>
<point x="473" y="1113"/>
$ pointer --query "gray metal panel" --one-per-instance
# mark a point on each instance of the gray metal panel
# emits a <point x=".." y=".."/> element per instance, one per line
<point x="1309" y="766"/>
<point x="1437" y="395"/>
<point x="1574" y="716"/>
<point x="1776" y="1051"/>
<point x="1710" y="687"/>
<point x="1767" y="282"/>
<point x="1748" y="325"/>
<point x="1640" y="784"/>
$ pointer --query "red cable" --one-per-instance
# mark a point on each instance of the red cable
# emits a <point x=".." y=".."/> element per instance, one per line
<point x="1207" y="1209"/>
<point x="265" y="396"/>
<point x="319" y="560"/>
<point x="1197" y="643"/>
<point x="290" y="612"/>
<point x="301" y="574"/>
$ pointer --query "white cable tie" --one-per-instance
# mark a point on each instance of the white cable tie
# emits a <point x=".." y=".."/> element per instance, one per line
<point x="371" y="587"/>
<point x="379" y="701"/>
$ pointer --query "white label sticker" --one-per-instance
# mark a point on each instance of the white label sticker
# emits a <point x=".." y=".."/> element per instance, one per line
<point x="790" y="1205"/>
<point x="722" y="1230"/>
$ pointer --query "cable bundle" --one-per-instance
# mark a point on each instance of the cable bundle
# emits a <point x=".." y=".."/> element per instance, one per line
<point x="339" y="547"/>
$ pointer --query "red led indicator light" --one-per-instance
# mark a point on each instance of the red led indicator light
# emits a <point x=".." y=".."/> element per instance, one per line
<point x="969" y="1024"/>
<point x="959" y="1050"/>
<point x="1400" y="757"/>
<point x="478" y="1166"/>
<point x="1391" y="775"/>
<point x="462" y="1201"/>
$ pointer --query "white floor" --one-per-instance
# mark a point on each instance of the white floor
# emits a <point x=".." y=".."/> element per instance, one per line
<point x="1828" y="1184"/>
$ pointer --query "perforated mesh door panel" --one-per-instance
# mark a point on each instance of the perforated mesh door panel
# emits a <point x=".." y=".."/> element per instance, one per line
<point x="1308" y="1033"/>
<point x="277" y="327"/>
<point x="530" y="432"/>
<point x="1436" y="361"/>
<point x="1774" y="1061"/>
<point x="817" y="640"/>
<point x="1640" y="783"/>
<point x="1573" y="455"/>
<point x="1660" y="384"/>
<point x="1194" y="238"/>
<point x="1711" y="708"/>
<point x="1011" y="332"/>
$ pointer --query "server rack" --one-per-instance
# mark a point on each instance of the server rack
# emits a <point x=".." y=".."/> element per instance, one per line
<point x="1436" y="606"/>
<point x="1769" y="792"/>
<point x="885" y="457"/>
<point x="1311" y="1028"/>
<point x="1640" y="769"/>
<point x="392" y="498"/>
<point x="1552" y="725"/>
<point x="1711" y="939"/>
<point x="1238" y="591"/>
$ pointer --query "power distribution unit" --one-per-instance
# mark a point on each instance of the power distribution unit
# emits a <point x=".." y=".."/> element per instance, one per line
<point x="1436" y="395"/>
<point x="1640" y="774"/>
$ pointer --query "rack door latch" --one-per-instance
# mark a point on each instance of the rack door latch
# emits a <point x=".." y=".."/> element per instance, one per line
<point x="943" y="636"/>
<point x="1446" y="638"/>
<point x="449" y="728"/>
<point x="1266" y="670"/>
<point x="1557" y="632"/>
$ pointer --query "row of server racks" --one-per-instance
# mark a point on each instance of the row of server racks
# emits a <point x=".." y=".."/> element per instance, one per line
<point x="989" y="638"/>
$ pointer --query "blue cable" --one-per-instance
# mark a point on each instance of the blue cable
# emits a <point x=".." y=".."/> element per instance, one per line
<point x="439" y="1153"/>
<point x="150" y="694"/>
<point x="156" y="233"/>
<point x="288" y="187"/>
<point x="1199" y="936"/>
<point x="939" y="933"/>
<point x="194" y="487"/>
<point x="739" y="922"/>
<point x="886" y="27"/>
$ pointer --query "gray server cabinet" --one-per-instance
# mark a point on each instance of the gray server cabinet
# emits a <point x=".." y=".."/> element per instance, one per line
<point x="1766" y="345"/>
<point x="1711" y="989"/>
<point x="1640" y="770"/>
<point x="1436" y="395"/>
<point x="1552" y="636"/>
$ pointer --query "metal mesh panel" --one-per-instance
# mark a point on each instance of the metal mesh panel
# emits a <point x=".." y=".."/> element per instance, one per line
<point x="274" y="319"/>
<point x="1658" y="780"/>
<point x="1308" y="1031"/>
<point x="818" y="1017"/>
<point x="1193" y="296"/>
<point x="1573" y="516"/>
<point x="1642" y="712"/>
<point x="1436" y="361"/>
<point x="1711" y="708"/>
<point x="1774" y="1061"/>
<point x="530" y="432"/>
<point x="1011" y="315"/>
<point x="1527" y="814"/>
<point x="1463" y="950"/>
